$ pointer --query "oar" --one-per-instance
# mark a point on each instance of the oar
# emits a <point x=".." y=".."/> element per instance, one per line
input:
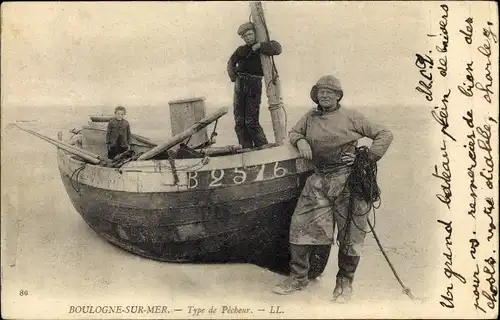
<point x="144" y="140"/>
<point x="85" y="155"/>
<point x="214" y="151"/>
<point x="178" y="138"/>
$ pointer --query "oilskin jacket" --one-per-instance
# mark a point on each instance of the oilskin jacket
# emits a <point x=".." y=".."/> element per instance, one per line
<point x="324" y="200"/>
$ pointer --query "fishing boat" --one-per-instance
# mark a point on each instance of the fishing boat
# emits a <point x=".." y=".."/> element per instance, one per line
<point x="178" y="203"/>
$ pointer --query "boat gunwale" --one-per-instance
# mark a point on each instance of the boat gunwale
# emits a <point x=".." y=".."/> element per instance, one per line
<point x="291" y="154"/>
<point x="150" y="176"/>
<point x="246" y="159"/>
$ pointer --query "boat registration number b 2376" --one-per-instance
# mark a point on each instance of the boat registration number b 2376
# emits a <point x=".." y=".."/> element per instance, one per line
<point x="235" y="176"/>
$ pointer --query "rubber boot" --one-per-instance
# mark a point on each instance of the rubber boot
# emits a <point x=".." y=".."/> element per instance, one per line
<point x="343" y="287"/>
<point x="299" y="268"/>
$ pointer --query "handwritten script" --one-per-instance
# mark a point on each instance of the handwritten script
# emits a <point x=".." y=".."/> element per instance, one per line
<point x="458" y="84"/>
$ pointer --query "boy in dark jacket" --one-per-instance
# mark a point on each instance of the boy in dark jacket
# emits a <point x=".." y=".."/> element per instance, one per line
<point x="245" y="70"/>
<point x="118" y="136"/>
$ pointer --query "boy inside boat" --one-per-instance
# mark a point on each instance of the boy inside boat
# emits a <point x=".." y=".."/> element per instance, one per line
<point x="118" y="136"/>
<point x="245" y="70"/>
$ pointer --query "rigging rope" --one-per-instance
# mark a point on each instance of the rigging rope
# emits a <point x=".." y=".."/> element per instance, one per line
<point x="274" y="70"/>
<point x="286" y="116"/>
<point x="214" y="131"/>
<point x="362" y="185"/>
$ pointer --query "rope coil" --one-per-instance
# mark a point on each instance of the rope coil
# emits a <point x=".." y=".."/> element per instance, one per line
<point x="362" y="185"/>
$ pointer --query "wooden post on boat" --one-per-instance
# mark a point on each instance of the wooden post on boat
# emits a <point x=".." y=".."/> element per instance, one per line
<point x="183" y="114"/>
<point x="273" y="86"/>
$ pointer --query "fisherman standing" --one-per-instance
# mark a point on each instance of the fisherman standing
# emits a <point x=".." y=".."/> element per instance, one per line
<point x="328" y="136"/>
<point x="245" y="70"/>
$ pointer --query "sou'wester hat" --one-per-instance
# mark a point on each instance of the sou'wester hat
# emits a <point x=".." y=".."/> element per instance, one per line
<point x="326" y="82"/>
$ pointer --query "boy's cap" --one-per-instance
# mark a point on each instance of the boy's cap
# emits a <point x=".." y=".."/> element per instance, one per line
<point x="245" y="27"/>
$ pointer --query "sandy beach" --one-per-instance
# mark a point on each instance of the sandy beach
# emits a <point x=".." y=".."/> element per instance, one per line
<point x="49" y="251"/>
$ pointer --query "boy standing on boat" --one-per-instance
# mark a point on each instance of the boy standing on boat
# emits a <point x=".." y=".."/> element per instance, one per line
<point x="118" y="136"/>
<point x="328" y="136"/>
<point x="245" y="70"/>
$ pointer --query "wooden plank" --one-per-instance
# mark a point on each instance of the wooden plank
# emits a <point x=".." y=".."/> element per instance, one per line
<point x="187" y="100"/>
<point x="102" y="118"/>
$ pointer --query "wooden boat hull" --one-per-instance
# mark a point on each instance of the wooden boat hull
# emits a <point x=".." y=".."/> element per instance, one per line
<point x="219" y="237"/>
<point x="234" y="208"/>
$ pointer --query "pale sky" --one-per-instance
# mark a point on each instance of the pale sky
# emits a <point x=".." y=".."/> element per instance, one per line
<point x="150" y="53"/>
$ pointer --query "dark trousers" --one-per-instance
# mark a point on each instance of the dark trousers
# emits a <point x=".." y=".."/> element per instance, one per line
<point x="247" y="97"/>
<point x="115" y="150"/>
<point x="299" y="263"/>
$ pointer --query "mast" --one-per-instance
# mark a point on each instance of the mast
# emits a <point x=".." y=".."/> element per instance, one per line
<point x="273" y="88"/>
